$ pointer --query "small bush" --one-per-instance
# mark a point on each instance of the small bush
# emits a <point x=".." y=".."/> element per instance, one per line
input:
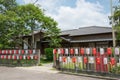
<point x="49" y="53"/>
<point x="116" y="70"/>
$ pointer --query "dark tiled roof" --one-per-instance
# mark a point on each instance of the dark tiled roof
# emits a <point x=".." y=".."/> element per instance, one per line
<point x="87" y="31"/>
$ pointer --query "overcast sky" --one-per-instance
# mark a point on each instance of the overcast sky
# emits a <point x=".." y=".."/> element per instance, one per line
<point x="72" y="14"/>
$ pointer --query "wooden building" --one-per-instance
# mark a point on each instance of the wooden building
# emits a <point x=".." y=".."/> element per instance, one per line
<point x="92" y="36"/>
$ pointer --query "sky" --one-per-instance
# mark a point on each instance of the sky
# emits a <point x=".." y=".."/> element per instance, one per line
<point x="73" y="14"/>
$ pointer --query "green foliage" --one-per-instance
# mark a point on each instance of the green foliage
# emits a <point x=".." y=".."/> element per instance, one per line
<point x="116" y="70"/>
<point x="18" y="20"/>
<point x="49" y="53"/>
<point x="116" y="19"/>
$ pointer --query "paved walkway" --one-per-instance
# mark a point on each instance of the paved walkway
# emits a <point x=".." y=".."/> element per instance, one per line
<point x="37" y="73"/>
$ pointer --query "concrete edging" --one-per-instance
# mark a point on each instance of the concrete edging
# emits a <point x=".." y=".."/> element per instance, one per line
<point x="87" y="75"/>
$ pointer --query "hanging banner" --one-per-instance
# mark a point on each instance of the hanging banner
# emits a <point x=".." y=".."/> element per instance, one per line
<point x="76" y="50"/>
<point x="30" y="51"/>
<point x="79" y="59"/>
<point x="64" y="59"/>
<point x="105" y="60"/>
<point x="8" y="56"/>
<point x="16" y="51"/>
<point x="62" y="51"/>
<point x="87" y="50"/>
<point x="20" y="57"/>
<point x="101" y="51"/>
<point x="31" y="56"/>
<point x="109" y="51"/>
<point x="26" y="51"/>
<point x="82" y="51"/>
<point x="24" y="57"/>
<point x="94" y="51"/>
<point x="19" y="51"/>
<point x="85" y="60"/>
<point x="68" y="59"/>
<point x="66" y="51"/>
<point x="71" y="51"/>
<point x="59" y="51"/>
<point x="34" y="51"/>
<point x="113" y="61"/>
<point x="2" y="51"/>
<point x="74" y="59"/>
<point x="60" y="59"/>
<point x="17" y="57"/>
<point x="91" y="60"/>
<point x="117" y="51"/>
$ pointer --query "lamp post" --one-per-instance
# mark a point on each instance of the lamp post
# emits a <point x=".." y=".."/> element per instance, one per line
<point x="113" y="31"/>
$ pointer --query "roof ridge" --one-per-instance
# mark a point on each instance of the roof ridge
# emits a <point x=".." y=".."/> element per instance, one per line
<point x="95" y="27"/>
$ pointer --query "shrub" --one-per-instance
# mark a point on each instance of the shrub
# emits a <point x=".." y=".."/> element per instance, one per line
<point x="49" y="53"/>
<point x="116" y="70"/>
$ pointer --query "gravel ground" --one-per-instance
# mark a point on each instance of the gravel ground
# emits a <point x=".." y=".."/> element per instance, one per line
<point x="36" y="73"/>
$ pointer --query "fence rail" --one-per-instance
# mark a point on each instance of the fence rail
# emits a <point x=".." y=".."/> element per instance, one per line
<point x="19" y="57"/>
<point x="98" y="60"/>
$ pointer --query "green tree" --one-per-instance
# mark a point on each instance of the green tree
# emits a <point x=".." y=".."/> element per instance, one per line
<point x="116" y="20"/>
<point x="18" y="20"/>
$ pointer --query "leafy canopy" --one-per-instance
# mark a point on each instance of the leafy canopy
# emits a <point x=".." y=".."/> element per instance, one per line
<point x="18" y="20"/>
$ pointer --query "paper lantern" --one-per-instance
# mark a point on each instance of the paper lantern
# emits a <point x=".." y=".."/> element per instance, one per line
<point x="82" y="51"/>
<point x="60" y="59"/>
<point x="112" y="60"/>
<point x="66" y="51"/>
<point x="4" y="51"/>
<point x="71" y="51"/>
<point x="94" y="51"/>
<point x="20" y="57"/>
<point x="6" y="56"/>
<point x="28" y="57"/>
<point x="68" y="59"/>
<point x="34" y="51"/>
<point x="26" y="51"/>
<point x="19" y="51"/>
<point x="16" y="51"/>
<point x="59" y="51"/>
<point x="87" y="50"/>
<point x="12" y="51"/>
<point x="91" y="59"/>
<point x="64" y="59"/>
<point x="74" y="59"/>
<point x="22" y="51"/>
<point x="85" y="60"/>
<point x="10" y="56"/>
<point x="117" y="51"/>
<point x="101" y="51"/>
<point x="109" y="51"/>
<point x="24" y="57"/>
<point x="36" y="57"/>
<point x="105" y="61"/>
<point x="15" y="57"/>
<point x="80" y="59"/>
<point x="30" y="51"/>
<point x="31" y="56"/>
<point x="76" y="50"/>
<point x="98" y="60"/>
<point x="2" y="56"/>
<point x="62" y="51"/>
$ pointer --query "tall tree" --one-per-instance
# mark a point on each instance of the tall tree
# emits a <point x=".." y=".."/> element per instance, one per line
<point x="18" y="20"/>
<point x="116" y="20"/>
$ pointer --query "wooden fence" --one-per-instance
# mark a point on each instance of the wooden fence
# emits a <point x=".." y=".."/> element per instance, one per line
<point x="19" y="57"/>
<point x="98" y="60"/>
